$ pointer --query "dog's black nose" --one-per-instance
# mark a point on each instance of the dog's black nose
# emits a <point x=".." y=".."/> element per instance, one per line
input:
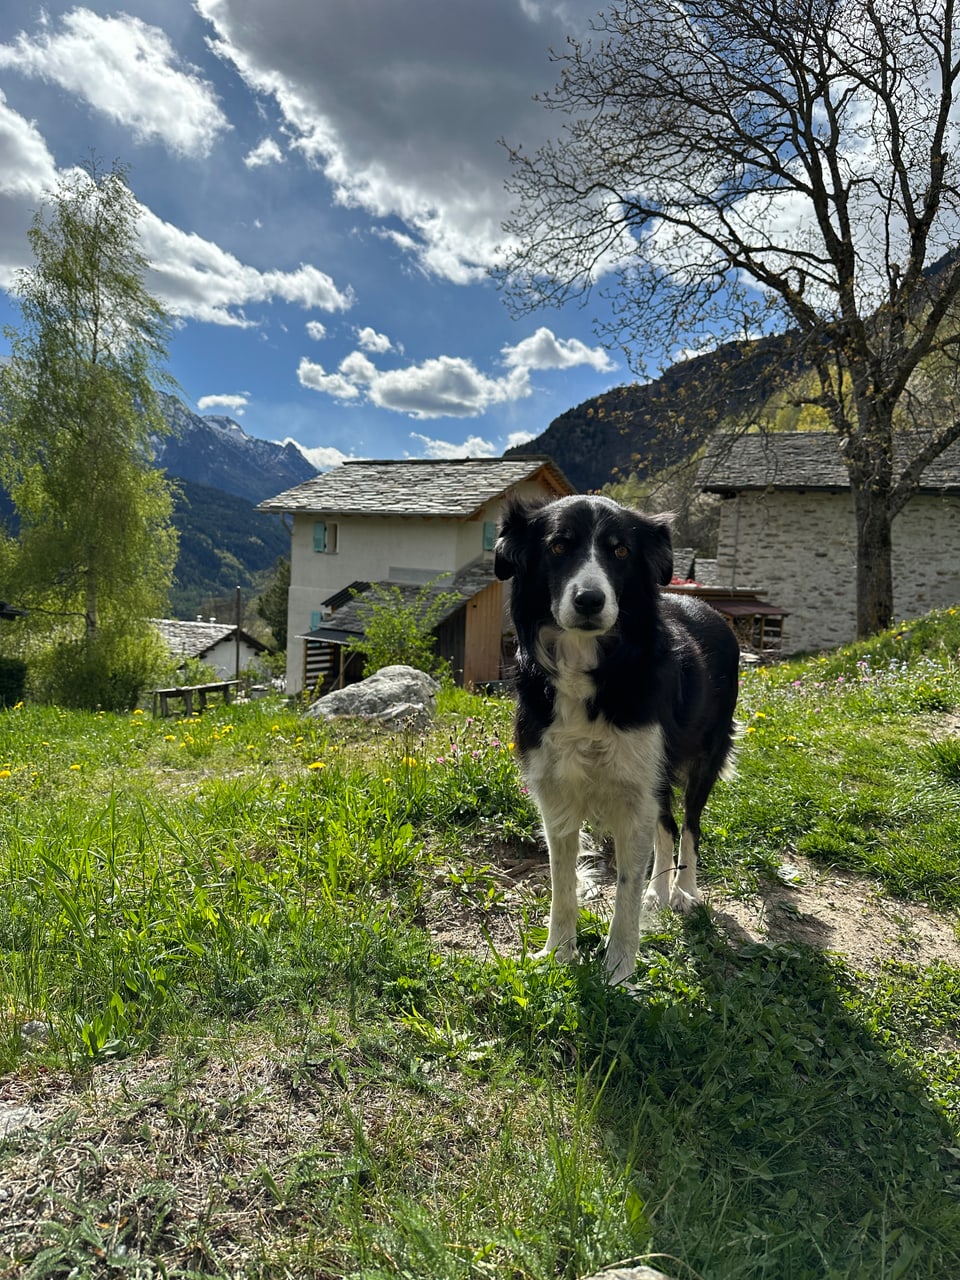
<point x="589" y="601"/>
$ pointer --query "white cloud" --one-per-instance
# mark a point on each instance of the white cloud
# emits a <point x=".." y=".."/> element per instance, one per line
<point x="27" y="170"/>
<point x="542" y="350"/>
<point x="444" y="387"/>
<point x="322" y="457"/>
<point x="316" y="378"/>
<point x="127" y="70"/>
<point x="196" y="279"/>
<point x="409" y="130"/>
<point x="235" y="403"/>
<point x="370" y="340"/>
<point x="517" y="438"/>
<point x="472" y="447"/>
<point x="265" y="152"/>
<point x="316" y="330"/>
<point x="447" y="386"/>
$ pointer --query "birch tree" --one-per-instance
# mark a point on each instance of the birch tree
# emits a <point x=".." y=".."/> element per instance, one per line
<point x="78" y="405"/>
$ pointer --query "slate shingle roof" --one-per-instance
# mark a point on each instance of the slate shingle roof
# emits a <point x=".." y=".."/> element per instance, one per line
<point x="346" y="622"/>
<point x="457" y="487"/>
<point x="800" y="460"/>
<point x="194" y="639"/>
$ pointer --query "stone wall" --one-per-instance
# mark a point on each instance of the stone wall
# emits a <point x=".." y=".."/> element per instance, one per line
<point x="799" y="550"/>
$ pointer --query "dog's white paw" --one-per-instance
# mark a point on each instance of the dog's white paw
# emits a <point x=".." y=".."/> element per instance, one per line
<point x="566" y="952"/>
<point x="684" y="900"/>
<point x="654" y="899"/>
<point x="619" y="966"/>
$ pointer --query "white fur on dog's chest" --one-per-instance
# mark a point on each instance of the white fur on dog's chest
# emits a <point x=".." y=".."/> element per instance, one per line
<point x="584" y="762"/>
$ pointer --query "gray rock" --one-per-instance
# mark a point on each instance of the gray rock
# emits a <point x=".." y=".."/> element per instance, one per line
<point x="630" y="1273"/>
<point x="399" y="696"/>
<point x="14" y="1118"/>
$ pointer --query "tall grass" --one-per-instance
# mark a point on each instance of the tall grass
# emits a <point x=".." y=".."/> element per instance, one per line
<point x="216" y="933"/>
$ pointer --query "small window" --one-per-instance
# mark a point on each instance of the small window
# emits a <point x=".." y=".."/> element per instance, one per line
<point x="489" y="535"/>
<point x="325" y="537"/>
<point x="316" y="618"/>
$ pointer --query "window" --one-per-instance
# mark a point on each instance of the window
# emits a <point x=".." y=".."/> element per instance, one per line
<point x="489" y="535"/>
<point x="316" y="618"/>
<point x="325" y="537"/>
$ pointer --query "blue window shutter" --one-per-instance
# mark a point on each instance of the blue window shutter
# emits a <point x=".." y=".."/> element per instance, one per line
<point x="319" y="536"/>
<point x="489" y="535"/>
<point x="316" y="617"/>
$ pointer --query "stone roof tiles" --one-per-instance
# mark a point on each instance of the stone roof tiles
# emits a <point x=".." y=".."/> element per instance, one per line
<point x="345" y="622"/>
<point x="456" y="488"/>
<point x="800" y="460"/>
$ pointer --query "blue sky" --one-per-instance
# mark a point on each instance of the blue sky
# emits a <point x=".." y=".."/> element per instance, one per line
<point x="322" y="193"/>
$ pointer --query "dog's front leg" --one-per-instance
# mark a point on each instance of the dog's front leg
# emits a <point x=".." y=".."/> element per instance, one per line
<point x="634" y="844"/>
<point x="564" y="847"/>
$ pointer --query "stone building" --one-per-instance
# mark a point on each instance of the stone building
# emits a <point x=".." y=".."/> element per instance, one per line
<point x="787" y="529"/>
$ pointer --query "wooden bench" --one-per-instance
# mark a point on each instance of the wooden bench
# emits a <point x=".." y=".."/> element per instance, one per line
<point x="186" y="693"/>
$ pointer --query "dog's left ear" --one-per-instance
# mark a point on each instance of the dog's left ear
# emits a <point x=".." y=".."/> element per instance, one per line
<point x="660" y="548"/>
<point x="509" y="553"/>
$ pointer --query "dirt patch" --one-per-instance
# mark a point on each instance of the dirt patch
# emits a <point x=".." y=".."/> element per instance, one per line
<point x="835" y="911"/>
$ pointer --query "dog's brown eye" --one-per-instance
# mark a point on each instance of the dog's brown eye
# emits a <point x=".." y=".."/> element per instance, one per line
<point x="620" y="551"/>
<point x="558" y="547"/>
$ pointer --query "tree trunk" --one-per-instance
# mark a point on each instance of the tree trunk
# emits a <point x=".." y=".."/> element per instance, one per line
<point x="874" y="560"/>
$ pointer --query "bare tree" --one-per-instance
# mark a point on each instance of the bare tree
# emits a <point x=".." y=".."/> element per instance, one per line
<point x="745" y="168"/>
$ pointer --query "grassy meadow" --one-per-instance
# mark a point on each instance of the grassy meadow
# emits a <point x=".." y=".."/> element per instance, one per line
<point x="267" y="1007"/>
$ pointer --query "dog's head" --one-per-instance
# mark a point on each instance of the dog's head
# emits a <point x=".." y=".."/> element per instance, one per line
<point x="582" y="561"/>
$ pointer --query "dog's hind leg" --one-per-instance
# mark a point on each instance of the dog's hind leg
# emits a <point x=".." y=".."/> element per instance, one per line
<point x="661" y="875"/>
<point x="684" y="894"/>
<point x="564" y="847"/>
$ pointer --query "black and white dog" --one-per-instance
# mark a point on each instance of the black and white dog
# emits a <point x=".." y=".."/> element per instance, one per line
<point x="623" y="692"/>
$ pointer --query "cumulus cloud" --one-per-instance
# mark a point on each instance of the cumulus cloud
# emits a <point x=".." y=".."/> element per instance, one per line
<point x="27" y="170"/>
<point x="265" y="152"/>
<point x="128" y="71"/>
<point x="316" y="378"/>
<point x="447" y="386"/>
<point x="517" y="438"/>
<point x="472" y="447"/>
<point x="370" y="340"/>
<point x="316" y="330"/>
<point x="196" y="279"/>
<point x="409" y="131"/>
<point x="322" y="457"/>
<point x="443" y="387"/>
<point x="235" y="403"/>
<point x="542" y="350"/>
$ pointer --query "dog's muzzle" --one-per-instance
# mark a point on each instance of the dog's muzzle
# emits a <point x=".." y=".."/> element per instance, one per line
<point x="587" y="607"/>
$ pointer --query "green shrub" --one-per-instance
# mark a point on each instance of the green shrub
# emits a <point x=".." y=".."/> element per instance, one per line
<point x="13" y="680"/>
<point x="104" y="671"/>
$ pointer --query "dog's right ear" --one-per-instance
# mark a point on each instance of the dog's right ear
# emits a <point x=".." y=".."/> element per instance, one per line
<point x="510" y="551"/>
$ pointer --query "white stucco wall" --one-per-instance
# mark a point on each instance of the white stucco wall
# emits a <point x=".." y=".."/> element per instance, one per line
<point x="375" y="548"/>
<point x="799" y="550"/>
<point x="371" y="548"/>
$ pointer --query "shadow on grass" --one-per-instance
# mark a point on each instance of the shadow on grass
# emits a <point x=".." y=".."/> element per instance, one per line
<point x="769" y="1133"/>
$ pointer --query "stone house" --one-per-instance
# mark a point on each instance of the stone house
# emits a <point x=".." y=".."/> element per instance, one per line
<point x="218" y="644"/>
<point x="405" y="524"/>
<point x="787" y="529"/>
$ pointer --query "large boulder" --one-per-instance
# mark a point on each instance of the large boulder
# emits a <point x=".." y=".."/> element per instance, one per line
<point x="402" y="697"/>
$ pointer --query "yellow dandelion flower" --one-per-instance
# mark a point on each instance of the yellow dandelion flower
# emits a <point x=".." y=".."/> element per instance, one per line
<point x="138" y="712"/>
<point x="5" y="773"/>
<point x="74" y="766"/>
<point x="317" y="764"/>
<point x="169" y="737"/>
